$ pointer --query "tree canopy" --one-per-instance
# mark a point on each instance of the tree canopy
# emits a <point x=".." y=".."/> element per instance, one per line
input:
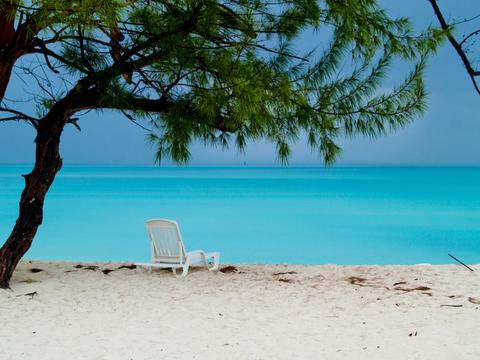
<point x="227" y="71"/>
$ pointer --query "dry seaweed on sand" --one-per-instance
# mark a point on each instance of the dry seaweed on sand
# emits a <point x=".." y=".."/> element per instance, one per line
<point x="285" y="273"/>
<point x="28" y="281"/>
<point x="129" y="267"/>
<point x="228" y="269"/>
<point x="35" y="270"/>
<point x="418" y="288"/>
<point x="359" y="281"/>
<point x="355" y="280"/>
<point x="473" y="300"/>
<point x="90" y="267"/>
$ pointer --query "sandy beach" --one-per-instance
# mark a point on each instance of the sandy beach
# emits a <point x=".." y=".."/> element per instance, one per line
<point x="83" y="311"/>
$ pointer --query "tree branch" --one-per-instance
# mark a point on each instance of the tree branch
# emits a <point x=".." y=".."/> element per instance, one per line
<point x="456" y="45"/>
<point x="18" y="116"/>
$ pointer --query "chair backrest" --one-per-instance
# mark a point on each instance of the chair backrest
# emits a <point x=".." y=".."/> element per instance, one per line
<point x="166" y="241"/>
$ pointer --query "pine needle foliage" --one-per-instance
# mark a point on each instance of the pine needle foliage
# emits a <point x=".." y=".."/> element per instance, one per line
<point x="226" y="72"/>
<point x="40" y="15"/>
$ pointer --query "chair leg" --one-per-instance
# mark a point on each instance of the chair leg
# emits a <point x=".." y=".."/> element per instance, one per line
<point x="185" y="270"/>
<point x="216" y="262"/>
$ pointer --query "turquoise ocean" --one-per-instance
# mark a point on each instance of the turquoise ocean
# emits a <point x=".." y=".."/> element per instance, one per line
<point x="301" y="215"/>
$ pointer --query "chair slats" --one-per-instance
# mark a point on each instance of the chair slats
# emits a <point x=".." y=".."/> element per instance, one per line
<point x="166" y="240"/>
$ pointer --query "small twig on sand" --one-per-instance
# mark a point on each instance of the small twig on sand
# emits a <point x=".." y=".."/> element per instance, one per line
<point x="285" y="273"/>
<point x="454" y="258"/>
<point x="32" y="294"/>
<point x="451" y="305"/>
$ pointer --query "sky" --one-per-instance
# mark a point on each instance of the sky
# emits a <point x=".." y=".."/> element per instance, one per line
<point x="447" y="134"/>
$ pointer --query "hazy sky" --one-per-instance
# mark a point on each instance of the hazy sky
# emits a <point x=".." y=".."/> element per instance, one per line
<point x="447" y="134"/>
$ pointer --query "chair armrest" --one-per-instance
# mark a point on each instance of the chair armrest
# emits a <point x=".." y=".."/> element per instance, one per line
<point x="196" y="252"/>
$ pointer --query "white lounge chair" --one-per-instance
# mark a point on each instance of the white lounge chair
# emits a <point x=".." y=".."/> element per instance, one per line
<point x="168" y="250"/>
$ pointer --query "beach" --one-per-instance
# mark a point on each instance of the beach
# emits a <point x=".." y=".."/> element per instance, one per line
<point x="62" y="310"/>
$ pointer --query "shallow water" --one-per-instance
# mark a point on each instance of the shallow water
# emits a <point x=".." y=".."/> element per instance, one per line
<point x="307" y="215"/>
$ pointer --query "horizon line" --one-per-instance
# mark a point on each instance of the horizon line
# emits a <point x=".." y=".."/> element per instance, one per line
<point x="246" y="164"/>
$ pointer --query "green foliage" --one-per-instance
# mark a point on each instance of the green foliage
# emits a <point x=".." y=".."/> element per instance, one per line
<point x="50" y="15"/>
<point x="224" y="72"/>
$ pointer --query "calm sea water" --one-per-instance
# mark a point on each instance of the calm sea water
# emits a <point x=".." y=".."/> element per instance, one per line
<point x="307" y="215"/>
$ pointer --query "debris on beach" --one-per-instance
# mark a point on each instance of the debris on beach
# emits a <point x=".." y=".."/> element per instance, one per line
<point x="29" y="281"/>
<point x="285" y="273"/>
<point x="107" y="271"/>
<point x="355" y="280"/>
<point x="474" y="301"/>
<point x="90" y="267"/>
<point x="129" y="267"/>
<point x="418" y="288"/>
<point x="359" y="281"/>
<point x="31" y="294"/>
<point x="423" y="290"/>
<point x="35" y="270"/>
<point x="228" y="269"/>
<point x="286" y="280"/>
<point x="86" y="267"/>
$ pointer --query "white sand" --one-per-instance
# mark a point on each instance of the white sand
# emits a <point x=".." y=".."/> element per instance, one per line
<point x="320" y="314"/>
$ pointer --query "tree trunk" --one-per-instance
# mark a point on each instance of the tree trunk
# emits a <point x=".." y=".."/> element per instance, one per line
<point x="8" y="54"/>
<point x="47" y="164"/>
<point x="6" y="67"/>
